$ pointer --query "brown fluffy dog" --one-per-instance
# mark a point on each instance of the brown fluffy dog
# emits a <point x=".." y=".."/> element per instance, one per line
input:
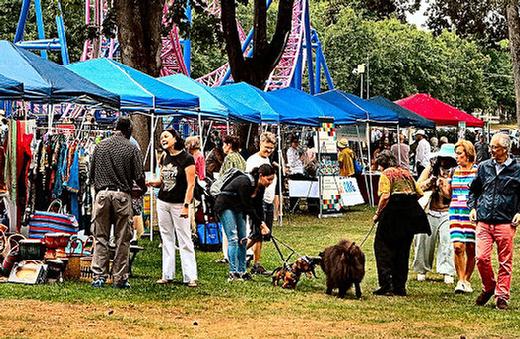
<point x="344" y="265"/>
<point x="290" y="275"/>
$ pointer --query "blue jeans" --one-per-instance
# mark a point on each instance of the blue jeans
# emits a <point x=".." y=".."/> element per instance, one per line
<point x="234" y="224"/>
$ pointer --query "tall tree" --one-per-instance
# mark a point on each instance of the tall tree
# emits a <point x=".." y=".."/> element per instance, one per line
<point x="488" y="21"/>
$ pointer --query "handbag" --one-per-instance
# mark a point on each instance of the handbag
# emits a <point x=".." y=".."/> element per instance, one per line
<point x="425" y="200"/>
<point x="42" y="222"/>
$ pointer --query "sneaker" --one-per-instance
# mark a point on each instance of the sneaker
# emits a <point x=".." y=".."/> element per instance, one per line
<point x="122" y="285"/>
<point x="448" y="279"/>
<point x="460" y="288"/>
<point x="501" y="304"/>
<point x="164" y="281"/>
<point x="259" y="269"/>
<point x="246" y="276"/>
<point x="467" y="287"/>
<point x="192" y="283"/>
<point x="98" y="283"/>
<point x="421" y="277"/>
<point x="483" y="298"/>
<point x="233" y="276"/>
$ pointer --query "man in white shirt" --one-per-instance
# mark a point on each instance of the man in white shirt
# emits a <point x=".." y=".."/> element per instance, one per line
<point x="294" y="161"/>
<point x="267" y="147"/>
<point x="422" y="152"/>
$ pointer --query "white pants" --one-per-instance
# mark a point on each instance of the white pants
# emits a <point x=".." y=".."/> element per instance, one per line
<point x="172" y="227"/>
<point x="425" y="246"/>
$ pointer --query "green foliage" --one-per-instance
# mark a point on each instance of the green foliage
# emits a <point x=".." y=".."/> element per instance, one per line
<point x="73" y="15"/>
<point x="404" y="60"/>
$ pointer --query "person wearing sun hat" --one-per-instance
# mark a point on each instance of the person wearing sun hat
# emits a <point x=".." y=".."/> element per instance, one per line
<point x="345" y="159"/>
<point x="435" y="183"/>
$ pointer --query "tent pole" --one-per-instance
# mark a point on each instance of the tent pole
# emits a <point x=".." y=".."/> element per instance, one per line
<point x="152" y="158"/>
<point x="371" y="185"/>
<point x="227" y="126"/>
<point x="248" y="135"/>
<point x="398" y="146"/>
<point x="280" y="199"/>
<point x="364" y="173"/>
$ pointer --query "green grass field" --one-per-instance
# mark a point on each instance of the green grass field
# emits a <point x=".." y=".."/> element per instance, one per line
<point x="430" y="310"/>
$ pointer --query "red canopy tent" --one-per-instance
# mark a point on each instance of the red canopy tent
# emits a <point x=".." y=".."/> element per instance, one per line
<point x="439" y="112"/>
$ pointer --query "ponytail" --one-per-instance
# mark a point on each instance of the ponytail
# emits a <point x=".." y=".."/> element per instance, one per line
<point x="265" y="170"/>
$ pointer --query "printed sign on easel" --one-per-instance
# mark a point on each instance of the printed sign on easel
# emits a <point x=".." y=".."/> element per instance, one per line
<point x="328" y="170"/>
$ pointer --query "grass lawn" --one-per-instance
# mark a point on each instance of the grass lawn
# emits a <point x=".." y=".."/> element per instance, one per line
<point x="255" y="309"/>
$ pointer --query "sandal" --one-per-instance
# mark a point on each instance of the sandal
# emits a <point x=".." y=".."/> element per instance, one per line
<point x="164" y="281"/>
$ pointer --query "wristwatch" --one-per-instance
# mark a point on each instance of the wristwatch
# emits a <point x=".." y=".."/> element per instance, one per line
<point x="186" y="205"/>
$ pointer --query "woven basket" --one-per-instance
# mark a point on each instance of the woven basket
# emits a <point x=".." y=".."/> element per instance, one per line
<point x="86" y="273"/>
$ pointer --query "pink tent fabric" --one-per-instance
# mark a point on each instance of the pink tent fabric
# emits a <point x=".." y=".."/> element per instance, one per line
<point x="439" y="112"/>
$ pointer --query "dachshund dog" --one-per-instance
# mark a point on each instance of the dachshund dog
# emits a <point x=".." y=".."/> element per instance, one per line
<point x="343" y="265"/>
<point x="290" y="274"/>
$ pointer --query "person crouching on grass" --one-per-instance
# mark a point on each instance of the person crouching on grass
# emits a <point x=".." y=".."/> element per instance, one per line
<point x="240" y="197"/>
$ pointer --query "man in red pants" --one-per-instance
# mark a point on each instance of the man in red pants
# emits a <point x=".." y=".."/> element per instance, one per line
<point x="495" y="202"/>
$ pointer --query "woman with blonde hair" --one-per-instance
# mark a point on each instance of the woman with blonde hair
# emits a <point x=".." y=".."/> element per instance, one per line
<point x="462" y="230"/>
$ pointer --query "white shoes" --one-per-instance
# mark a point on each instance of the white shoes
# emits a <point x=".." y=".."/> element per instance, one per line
<point x="460" y="288"/>
<point x="448" y="279"/>
<point x="463" y="287"/>
<point x="421" y="277"/>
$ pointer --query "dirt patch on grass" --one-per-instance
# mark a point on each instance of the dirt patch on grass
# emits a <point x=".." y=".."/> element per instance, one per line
<point x="31" y="318"/>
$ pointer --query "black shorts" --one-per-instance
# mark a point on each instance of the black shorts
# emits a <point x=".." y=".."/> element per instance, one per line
<point x="268" y="218"/>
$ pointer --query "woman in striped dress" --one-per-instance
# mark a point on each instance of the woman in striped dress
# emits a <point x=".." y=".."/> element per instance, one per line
<point x="462" y="230"/>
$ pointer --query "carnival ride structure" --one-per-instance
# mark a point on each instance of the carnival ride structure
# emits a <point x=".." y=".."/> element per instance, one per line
<point x="42" y="44"/>
<point x="302" y="55"/>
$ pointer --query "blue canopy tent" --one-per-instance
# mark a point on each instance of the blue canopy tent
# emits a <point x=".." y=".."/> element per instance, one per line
<point x="47" y="82"/>
<point x="138" y="91"/>
<point x="406" y="117"/>
<point x="10" y="89"/>
<point x="315" y="106"/>
<point x="372" y="112"/>
<point x="272" y="108"/>
<point x="210" y="104"/>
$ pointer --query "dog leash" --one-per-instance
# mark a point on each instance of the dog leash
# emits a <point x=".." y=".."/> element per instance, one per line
<point x="369" y="231"/>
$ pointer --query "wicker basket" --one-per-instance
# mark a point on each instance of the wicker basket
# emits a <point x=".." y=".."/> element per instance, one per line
<point x="86" y="273"/>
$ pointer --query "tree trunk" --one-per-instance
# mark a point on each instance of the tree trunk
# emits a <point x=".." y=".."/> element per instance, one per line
<point x="256" y="70"/>
<point x="513" y="24"/>
<point x="139" y="33"/>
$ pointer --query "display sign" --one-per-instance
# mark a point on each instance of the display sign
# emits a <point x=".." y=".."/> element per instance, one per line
<point x="328" y="168"/>
<point x="349" y="192"/>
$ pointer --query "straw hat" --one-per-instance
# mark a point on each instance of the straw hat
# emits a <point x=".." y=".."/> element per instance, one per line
<point x="343" y="143"/>
<point x="420" y="132"/>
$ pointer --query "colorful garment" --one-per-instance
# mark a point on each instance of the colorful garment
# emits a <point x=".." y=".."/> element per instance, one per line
<point x="397" y="180"/>
<point x="461" y="228"/>
<point x="346" y="159"/>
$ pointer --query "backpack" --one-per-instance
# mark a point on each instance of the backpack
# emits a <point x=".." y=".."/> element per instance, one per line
<point x="217" y="187"/>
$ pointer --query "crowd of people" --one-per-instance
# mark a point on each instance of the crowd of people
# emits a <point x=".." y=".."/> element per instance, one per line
<point x="460" y="205"/>
<point x="246" y="211"/>
<point x="466" y="198"/>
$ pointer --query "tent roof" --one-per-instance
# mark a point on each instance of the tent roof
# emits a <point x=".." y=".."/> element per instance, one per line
<point x="45" y="81"/>
<point x="275" y="108"/>
<point x="406" y="117"/>
<point x="314" y="106"/>
<point x="10" y="89"/>
<point x="439" y="112"/>
<point x="210" y="103"/>
<point x="138" y="91"/>
<point x="365" y="110"/>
